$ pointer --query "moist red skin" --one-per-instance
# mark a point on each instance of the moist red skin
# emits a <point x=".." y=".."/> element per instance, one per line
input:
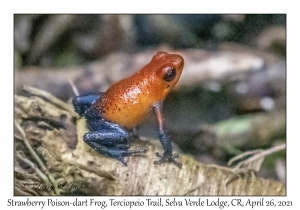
<point x="129" y="101"/>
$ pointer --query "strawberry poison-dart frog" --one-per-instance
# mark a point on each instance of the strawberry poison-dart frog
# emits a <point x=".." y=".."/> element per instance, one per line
<point x="110" y="115"/>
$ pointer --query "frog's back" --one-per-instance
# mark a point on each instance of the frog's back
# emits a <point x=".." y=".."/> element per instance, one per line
<point x="129" y="101"/>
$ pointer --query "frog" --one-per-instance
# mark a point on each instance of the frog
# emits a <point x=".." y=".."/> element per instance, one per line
<point x="112" y="114"/>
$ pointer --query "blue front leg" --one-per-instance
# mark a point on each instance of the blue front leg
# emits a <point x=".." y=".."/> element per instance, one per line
<point x="83" y="102"/>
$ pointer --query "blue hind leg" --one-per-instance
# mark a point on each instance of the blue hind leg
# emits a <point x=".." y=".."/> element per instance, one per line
<point x="105" y="137"/>
<point x="109" y="139"/>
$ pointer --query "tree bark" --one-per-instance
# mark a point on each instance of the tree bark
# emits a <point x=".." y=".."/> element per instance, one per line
<point x="55" y="135"/>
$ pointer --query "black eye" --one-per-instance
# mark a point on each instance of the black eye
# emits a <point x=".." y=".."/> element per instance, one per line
<point x="170" y="75"/>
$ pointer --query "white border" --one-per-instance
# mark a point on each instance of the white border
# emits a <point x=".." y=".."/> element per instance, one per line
<point x="8" y="8"/>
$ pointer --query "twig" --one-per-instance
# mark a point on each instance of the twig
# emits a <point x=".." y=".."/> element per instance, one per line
<point x="49" y="97"/>
<point x="264" y="153"/>
<point x="36" y="157"/>
<point x="36" y="169"/>
<point x="22" y="192"/>
<point x="32" y="165"/>
<point x="20" y="171"/>
<point x="19" y="184"/>
<point x="73" y="87"/>
<point x="240" y="156"/>
<point x="256" y="160"/>
<point x="253" y="163"/>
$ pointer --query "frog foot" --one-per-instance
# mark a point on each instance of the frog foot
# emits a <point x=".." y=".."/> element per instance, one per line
<point x="168" y="157"/>
<point x="129" y="153"/>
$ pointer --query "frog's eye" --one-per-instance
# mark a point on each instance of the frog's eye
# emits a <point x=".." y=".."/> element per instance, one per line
<point x="170" y="75"/>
